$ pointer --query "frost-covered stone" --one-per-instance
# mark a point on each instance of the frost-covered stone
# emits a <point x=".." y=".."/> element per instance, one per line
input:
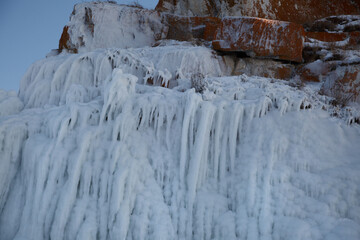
<point x="260" y="38"/>
<point x="189" y="28"/>
<point x="314" y="71"/>
<point x="330" y="41"/>
<point x="104" y="25"/>
<point x="101" y="151"/>
<point x="343" y="84"/>
<point x="264" y="68"/>
<point x="336" y="23"/>
<point x="299" y="11"/>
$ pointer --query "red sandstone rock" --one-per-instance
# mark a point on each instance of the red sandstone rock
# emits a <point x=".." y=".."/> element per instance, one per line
<point x="327" y="37"/>
<point x="261" y="38"/>
<point x="264" y="68"/>
<point x="343" y="84"/>
<point x="313" y="72"/>
<point x="64" y="42"/>
<point x="352" y="38"/>
<point x="339" y="23"/>
<point x="298" y="11"/>
<point x="186" y="28"/>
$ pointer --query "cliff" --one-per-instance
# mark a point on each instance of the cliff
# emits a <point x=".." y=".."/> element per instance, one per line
<point x="151" y="126"/>
<point x="303" y="11"/>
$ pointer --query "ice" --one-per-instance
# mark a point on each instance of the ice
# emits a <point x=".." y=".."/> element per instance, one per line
<point x="92" y="147"/>
<point x="9" y="103"/>
<point x="103" y="25"/>
<point x="243" y="160"/>
<point x="80" y="77"/>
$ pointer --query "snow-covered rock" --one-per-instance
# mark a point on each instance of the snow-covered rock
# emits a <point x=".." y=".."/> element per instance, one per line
<point x="103" y="25"/>
<point x="184" y="28"/>
<point x="264" y="68"/>
<point x="343" y="84"/>
<point x="101" y="151"/>
<point x="336" y="23"/>
<point x="261" y="38"/>
<point x="299" y="11"/>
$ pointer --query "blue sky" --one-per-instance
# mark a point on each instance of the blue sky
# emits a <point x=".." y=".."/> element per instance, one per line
<point x="29" y="29"/>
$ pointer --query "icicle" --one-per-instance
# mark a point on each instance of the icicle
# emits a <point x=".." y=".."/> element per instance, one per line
<point x="191" y="101"/>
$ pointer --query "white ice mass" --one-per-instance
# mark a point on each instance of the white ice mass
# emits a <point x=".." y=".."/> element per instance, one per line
<point x="90" y="150"/>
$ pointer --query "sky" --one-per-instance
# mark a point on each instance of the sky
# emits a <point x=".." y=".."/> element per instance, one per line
<point x="31" y="29"/>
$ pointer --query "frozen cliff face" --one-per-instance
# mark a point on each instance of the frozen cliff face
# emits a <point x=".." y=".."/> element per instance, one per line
<point x="57" y="80"/>
<point x="9" y="103"/>
<point x="114" y="158"/>
<point x="95" y="148"/>
<point x="103" y="25"/>
<point x="298" y="11"/>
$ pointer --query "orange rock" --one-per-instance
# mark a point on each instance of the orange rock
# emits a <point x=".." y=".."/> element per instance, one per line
<point x="64" y="42"/>
<point x="327" y="37"/>
<point x="186" y="28"/>
<point x="313" y="72"/>
<point x="261" y="38"/>
<point x="338" y="23"/>
<point x="264" y="68"/>
<point x="298" y="11"/>
<point x="354" y="38"/>
<point x="343" y="84"/>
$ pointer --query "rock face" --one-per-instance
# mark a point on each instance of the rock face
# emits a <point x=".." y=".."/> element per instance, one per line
<point x="304" y="11"/>
<point x="264" y="68"/>
<point x="261" y="38"/>
<point x="188" y="28"/>
<point x="123" y="27"/>
<point x="343" y="84"/>
<point x="340" y="23"/>
<point x="326" y="47"/>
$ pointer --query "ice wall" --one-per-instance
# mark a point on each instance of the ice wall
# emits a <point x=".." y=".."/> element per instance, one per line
<point x="93" y="148"/>
<point x="114" y="158"/>
<point x="58" y="80"/>
<point x="103" y="25"/>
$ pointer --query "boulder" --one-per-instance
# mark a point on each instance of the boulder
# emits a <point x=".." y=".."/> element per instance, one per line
<point x="124" y="27"/>
<point x="343" y="84"/>
<point x="340" y="23"/>
<point x="298" y="11"/>
<point x="261" y="38"/>
<point x="333" y="39"/>
<point x="313" y="72"/>
<point x="188" y="28"/>
<point x="326" y="36"/>
<point x="264" y="68"/>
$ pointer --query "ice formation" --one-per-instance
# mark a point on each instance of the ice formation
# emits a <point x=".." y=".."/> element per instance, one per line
<point x="95" y="148"/>
<point x="103" y="25"/>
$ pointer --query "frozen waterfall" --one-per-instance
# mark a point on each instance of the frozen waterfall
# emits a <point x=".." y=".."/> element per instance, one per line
<point x="99" y="153"/>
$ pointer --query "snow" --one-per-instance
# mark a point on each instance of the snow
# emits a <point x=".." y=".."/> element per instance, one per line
<point x="104" y="25"/>
<point x="241" y="161"/>
<point x="90" y="149"/>
<point x="9" y="103"/>
<point x="56" y="80"/>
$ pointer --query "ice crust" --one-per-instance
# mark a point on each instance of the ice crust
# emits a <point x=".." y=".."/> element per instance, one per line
<point x="9" y="103"/>
<point x="58" y="80"/>
<point x="104" y="25"/>
<point x="98" y="154"/>
<point x="93" y="148"/>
